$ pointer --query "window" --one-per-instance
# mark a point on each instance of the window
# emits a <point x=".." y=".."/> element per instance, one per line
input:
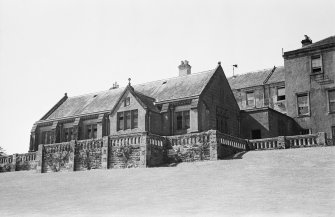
<point x="304" y="131"/>
<point x="91" y="131"/>
<point x="331" y="100"/>
<point x="67" y="134"/>
<point x="250" y="99"/>
<point x="316" y="64"/>
<point x="46" y="137"/>
<point x="127" y="101"/>
<point x="183" y="120"/>
<point x="134" y="114"/>
<point x="333" y="132"/>
<point x="127" y="120"/>
<point x="127" y="123"/>
<point x="280" y="93"/>
<point x="303" y="104"/>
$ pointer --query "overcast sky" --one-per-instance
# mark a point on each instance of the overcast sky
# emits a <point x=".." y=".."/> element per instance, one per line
<point x="48" y="48"/>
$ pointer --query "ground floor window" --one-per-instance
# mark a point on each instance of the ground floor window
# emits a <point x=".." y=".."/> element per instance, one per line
<point x="182" y="120"/>
<point x="127" y="120"/>
<point x="46" y="137"/>
<point x="303" y="104"/>
<point x="331" y="100"/>
<point x="91" y="131"/>
<point x="67" y="134"/>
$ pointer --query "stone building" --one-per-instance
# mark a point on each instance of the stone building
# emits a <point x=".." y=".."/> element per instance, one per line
<point x="262" y="100"/>
<point x="310" y="87"/>
<point x="188" y="103"/>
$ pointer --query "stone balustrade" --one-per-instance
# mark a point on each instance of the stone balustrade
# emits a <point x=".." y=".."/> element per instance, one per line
<point x="302" y="140"/>
<point x="145" y="150"/>
<point x="267" y="143"/>
<point x="231" y="141"/>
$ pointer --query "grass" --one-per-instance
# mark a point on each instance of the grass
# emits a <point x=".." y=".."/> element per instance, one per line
<point x="293" y="182"/>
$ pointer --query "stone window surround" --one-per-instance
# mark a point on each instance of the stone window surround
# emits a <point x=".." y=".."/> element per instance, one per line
<point x="328" y="100"/>
<point x="308" y="102"/>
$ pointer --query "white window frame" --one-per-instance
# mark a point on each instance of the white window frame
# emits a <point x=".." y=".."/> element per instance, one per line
<point x="308" y="102"/>
<point x="313" y="57"/>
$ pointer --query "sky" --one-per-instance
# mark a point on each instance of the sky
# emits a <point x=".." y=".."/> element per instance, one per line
<point x="48" y="48"/>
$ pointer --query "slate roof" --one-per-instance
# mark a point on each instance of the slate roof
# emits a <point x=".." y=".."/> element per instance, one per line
<point x="176" y="87"/>
<point x="277" y="76"/>
<point x="160" y="91"/>
<point x="257" y="78"/>
<point x="326" y="41"/>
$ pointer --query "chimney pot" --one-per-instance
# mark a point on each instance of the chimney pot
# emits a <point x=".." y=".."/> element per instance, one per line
<point x="184" y="68"/>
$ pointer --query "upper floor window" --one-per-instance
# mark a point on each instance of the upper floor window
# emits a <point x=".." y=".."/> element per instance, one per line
<point x="316" y="64"/>
<point x="331" y="100"/>
<point x="91" y="131"/>
<point x="67" y="134"/>
<point x="126" y="101"/>
<point x="183" y="120"/>
<point x="127" y="120"/>
<point x="281" y="93"/>
<point x="251" y="99"/>
<point x="303" y="104"/>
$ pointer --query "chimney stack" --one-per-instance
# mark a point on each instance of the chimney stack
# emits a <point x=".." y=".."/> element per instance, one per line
<point x="115" y="86"/>
<point x="306" y="41"/>
<point x="184" y="68"/>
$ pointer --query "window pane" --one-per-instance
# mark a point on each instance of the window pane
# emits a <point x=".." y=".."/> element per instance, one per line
<point x="120" y="120"/>
<point x="303" y="106"/>
<point x="281" y="91"/>
<point x="187" y="119"/>
<point x="95" y="130"/>
<point x="331" y="95"/>
<point x="128" y="120"/>
<point x="135" y="118"/>
<point x="89" y="131"/>
<point x="179" y="117"/>
<point x="250" y="99"/>
<point x="316" y="61"/>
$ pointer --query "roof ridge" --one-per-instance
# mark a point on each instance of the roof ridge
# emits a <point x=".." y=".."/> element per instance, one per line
<point x="257" y="71"/>
<point x="166" y="79"/>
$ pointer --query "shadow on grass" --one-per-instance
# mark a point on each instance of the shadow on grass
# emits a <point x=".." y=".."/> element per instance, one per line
<point x="238" y="155"/>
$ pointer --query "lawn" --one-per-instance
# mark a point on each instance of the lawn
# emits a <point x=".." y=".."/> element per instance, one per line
<point x="293" y="182"/>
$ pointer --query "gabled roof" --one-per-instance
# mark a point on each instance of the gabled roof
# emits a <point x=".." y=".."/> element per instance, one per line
<point x="176" y="87"/>
<point x="324" y="42"/>
<point x="257" y="78"/>
<point x="149" y="93"/>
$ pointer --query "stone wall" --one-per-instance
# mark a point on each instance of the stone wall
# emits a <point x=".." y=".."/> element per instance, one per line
<point x="88" y="154"/>
<point x="18" y="162"/>
<point x="58" y="157"/>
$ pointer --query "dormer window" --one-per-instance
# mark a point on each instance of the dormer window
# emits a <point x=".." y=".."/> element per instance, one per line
<point x="316" y="64"/>
<point x="126" y="101"/>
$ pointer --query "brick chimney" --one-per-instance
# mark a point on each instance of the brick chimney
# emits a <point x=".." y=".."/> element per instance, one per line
<point x="184" y="68"/>
<point x="306" y="41"/>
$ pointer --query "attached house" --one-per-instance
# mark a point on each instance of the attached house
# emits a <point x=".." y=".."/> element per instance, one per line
<point x="188" y="103"/>
<point x="310" y="76"/>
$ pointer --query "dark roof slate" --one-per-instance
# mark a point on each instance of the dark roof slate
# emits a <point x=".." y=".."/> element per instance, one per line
<point x="257" y="78"/>
<point x="156" y="91"/>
